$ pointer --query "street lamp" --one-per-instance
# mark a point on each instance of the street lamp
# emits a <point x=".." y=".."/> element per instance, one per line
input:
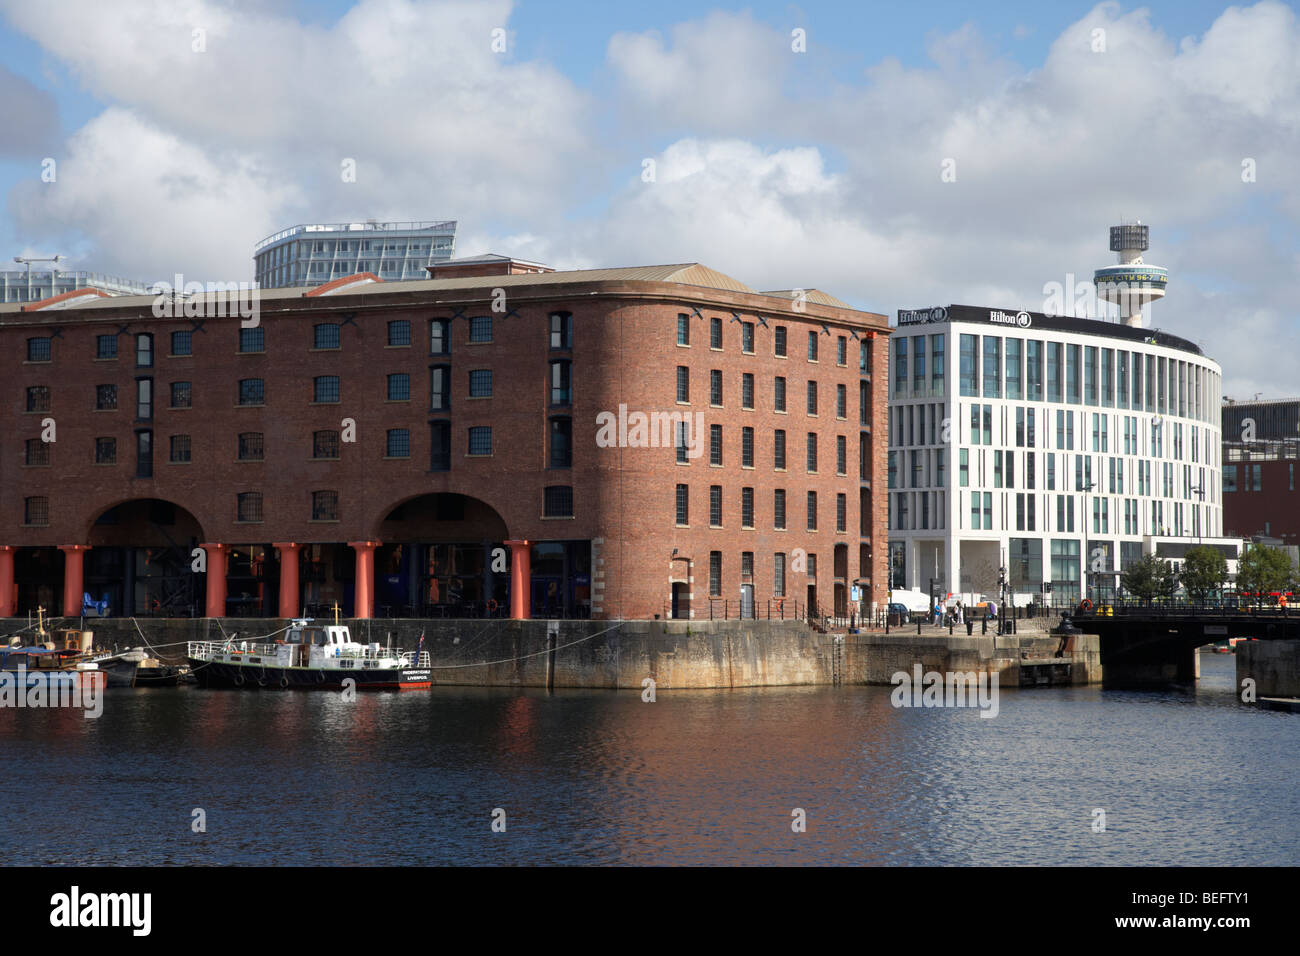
<point x="1200" y="491"/>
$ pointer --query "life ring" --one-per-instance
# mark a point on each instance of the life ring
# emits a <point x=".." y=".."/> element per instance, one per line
<point x="1085" y="605"/>
<point x="284" y="682"/>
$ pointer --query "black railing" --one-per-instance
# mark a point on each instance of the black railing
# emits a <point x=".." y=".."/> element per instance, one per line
<point x="727" y="609"/>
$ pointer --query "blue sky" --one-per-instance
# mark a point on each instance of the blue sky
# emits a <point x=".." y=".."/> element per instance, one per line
<point x="818" y="169"/>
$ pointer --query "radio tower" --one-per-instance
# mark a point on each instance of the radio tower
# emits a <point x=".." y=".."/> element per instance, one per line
<point x="1132" y="283"/>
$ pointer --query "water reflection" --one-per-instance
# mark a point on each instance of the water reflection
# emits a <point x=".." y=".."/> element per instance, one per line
<point x="696" y="777"/>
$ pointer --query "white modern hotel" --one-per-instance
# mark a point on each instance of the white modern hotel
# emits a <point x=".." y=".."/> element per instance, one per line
<point x="1056" y="448"/>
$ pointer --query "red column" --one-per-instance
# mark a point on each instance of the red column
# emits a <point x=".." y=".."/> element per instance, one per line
<point x="363" y="593"/>
<point x="216" y="558"/>
<point x="8" y="595"/>
<point x="73" y="577"/>
<point x="288" y="578"/>
<point x="521" y="578"/>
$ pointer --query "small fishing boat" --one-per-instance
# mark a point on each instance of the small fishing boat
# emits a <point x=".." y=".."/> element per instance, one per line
<point x="309" y="656"/>
<point x="46" y="658"/>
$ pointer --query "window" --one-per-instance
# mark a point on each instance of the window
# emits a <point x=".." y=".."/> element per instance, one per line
<point x="778" y="575"/>
<point x="841" y="351"/>
<point x="715" y="573"/>
<point x="39" y="349"/>
<point x="778" y="341"/>
<point x="561" y="330"/>
<point x="36" y="511"/>
<point x="440" y="388"/>
<point x="841" y="401"/>
<point x="778" y="509"/>
<point x="106" y="346"/>
<point x="812" y="452"/>
<point x="963" y="467"/>
<point x="144" y="399"/>
<point x="252" y="340"/>
<point x="992" y="366"/>
<point x="1013" y="369"/>
<point x="746" y="564"/>
<point x="812" y="398"/>
<point x="778" y="394"/>
<point x="250" y="446"/>
<point x="747" y="507"/>
<point x="144" y="350"/>
<point x="683" y="329"/>
<point x="747" y="447"/>
<point x="683" y="443"/>
<point x="398" y="443"/>
<point x="324" y="506"/>
<point x="326" y="389"/>
<point x="38" y="452"/>
<point x="715" y="333"/>
<point x="812" y="511"/>
<point x="38" y="398"/>
<point x="180" y="448"/>
<point x="683" y="384"/>
<point x="248" y="506"/>
<point x="440" y="337"/>
<point x="399" y="387"/>
<point x="812" y="346"/>
<point x="325" y="444"/>
<point x="440" y="446"/>
<point x="182" y="343"/>
<point x="399" y="333"/>
<point x="561" y="442"/>
<point x="747" y="337"/>
<point x="557" y="501"/>
<point x="715" y="444"/>
<point x="561" y="386"/>
<point x="252" y="391"/>
<point x="842" y="456"/>
<point x="144" y="454"/>
<point x="715" y="387"/>
<point x="683" y="505"/>
<point x="480" y="328"/>
<point x="326" y="335"/>
<point x="181" y="394"/>
<point x="480" y="440"/>
<point x="105" y="451"/>
<point x="968" y="365"/>
<point x="715" y="506"/>
<point x="105" y="398"/>
<point x="778" y="449"/>
<point x="747" y="391"/>
<point x="841" y="512"/>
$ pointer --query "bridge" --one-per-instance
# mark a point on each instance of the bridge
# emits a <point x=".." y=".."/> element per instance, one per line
<point x="1157" y="643"/>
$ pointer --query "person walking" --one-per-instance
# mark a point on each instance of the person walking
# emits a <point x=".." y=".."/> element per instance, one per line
<point x="938" y="615"/>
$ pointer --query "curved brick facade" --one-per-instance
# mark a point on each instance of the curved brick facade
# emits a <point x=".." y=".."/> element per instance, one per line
<point x="624" y="351"/>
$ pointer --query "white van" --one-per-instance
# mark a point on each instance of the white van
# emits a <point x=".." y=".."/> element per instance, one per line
<point x="916" y="601"/>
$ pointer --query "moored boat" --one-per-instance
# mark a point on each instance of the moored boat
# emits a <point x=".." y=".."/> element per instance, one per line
<point x="310" y="656"/>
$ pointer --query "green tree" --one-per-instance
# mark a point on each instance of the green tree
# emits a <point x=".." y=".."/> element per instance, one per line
<point x="1147" y="578"/>
<point x="1263" y="569"/>
<point x="1204" y="571"/>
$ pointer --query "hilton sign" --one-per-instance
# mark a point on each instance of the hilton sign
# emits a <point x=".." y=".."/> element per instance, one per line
<point x="939" y="313"/>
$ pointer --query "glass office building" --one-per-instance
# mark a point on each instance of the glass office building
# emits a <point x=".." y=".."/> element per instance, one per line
<point x="1055" y="450"/>
<point x="313" y="254"/>
<point x="20" y="285"/>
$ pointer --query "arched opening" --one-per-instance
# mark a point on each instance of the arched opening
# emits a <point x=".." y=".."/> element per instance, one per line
<point x="140" y="561"/>
<point x="440" y="558"/>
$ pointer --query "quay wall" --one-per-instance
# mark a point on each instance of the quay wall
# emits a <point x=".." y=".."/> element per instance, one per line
<point x="621" y="654"/>
<point x="1273" y="665"/>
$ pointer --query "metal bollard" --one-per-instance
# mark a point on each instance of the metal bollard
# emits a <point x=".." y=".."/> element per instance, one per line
<point x="984" y="625"/>
<point x="970" y="628"/>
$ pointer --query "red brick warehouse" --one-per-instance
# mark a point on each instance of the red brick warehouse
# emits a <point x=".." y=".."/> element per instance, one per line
<point x="464" y="445"/>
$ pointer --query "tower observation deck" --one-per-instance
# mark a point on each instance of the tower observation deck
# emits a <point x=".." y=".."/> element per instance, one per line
<point x="1132" y="283"/>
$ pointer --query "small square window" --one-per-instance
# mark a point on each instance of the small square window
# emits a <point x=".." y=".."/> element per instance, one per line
<point x="252" y="340"/>
<point x="399" y="333"/>
<point x="558" y="501"/>
<point x="106" y="346"/>
<point x="480" y="383"/>
<point x="326" y="389"/>
<point x="399" y="387"/>
<point x="39" y="349"/>
<point x="399" y="443"/>
<point x="480" y="440"/>
<point x="327" y="336"/>
<point x="183" y="343"/>
<point x="181" y="395"/>
<point x="480" y="328"/>
<point x="324" y="506"/>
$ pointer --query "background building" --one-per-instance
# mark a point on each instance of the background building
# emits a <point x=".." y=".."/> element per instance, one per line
<point x="375" y="443"/>
<point x="1261" y="447"/>
<point x="20" y="285"/>
<point x="1059" y="449"/>
<point x="313" y="254"/>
